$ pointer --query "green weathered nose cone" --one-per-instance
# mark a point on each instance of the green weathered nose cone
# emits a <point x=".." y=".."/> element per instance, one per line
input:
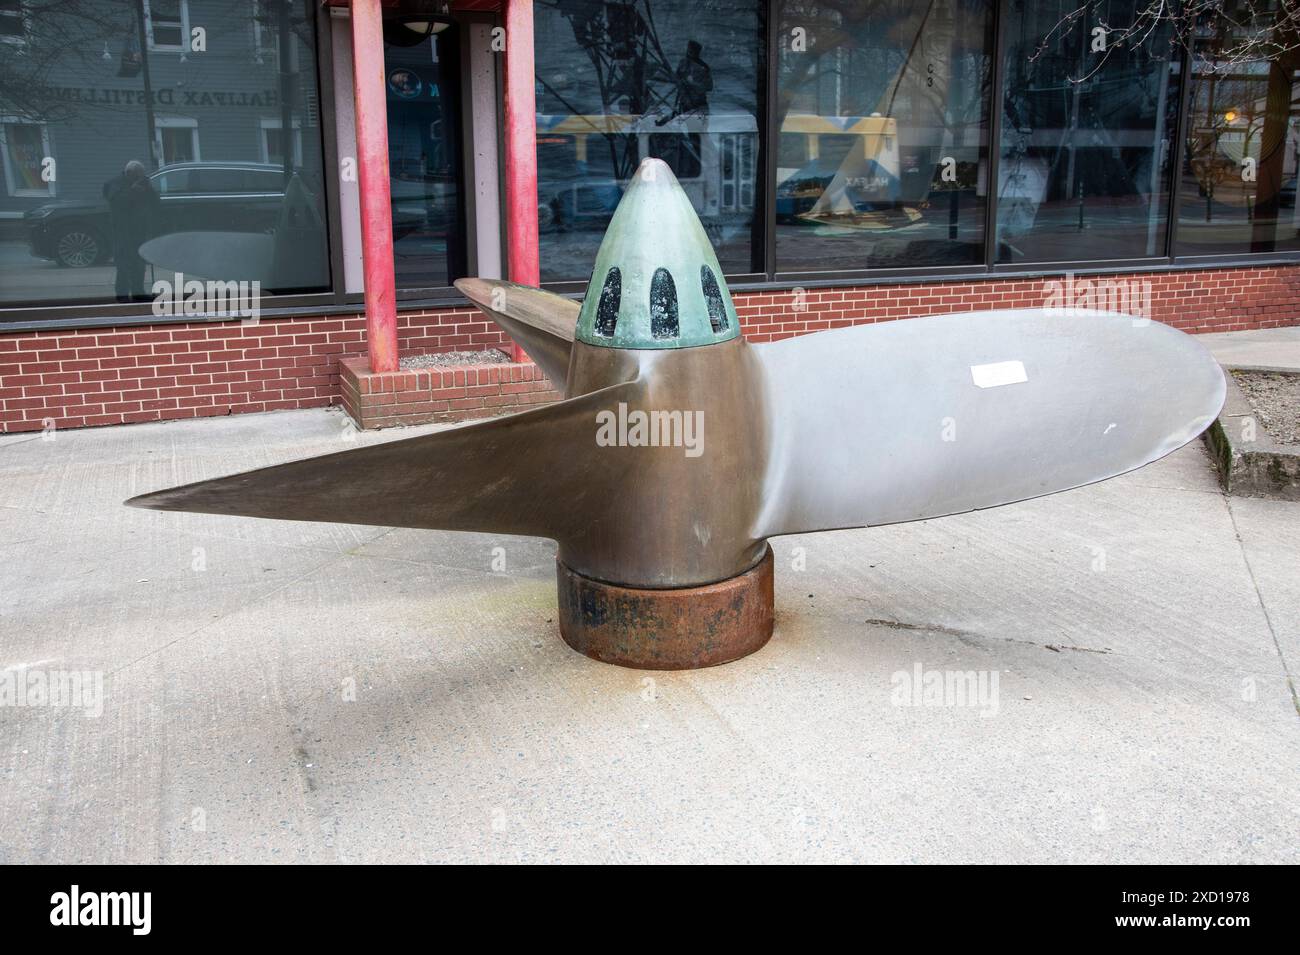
<point x="657" y="283"/>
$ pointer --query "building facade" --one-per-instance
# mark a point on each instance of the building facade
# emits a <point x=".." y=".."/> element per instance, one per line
<point x="181" y="212"/>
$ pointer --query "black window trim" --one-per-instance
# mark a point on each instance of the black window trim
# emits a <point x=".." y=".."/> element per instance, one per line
<point x="337" y="302"/>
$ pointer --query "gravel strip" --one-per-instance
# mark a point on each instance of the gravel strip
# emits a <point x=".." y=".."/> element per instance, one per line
<point x="447" y="358"/>
<point x="1276" y="399"/>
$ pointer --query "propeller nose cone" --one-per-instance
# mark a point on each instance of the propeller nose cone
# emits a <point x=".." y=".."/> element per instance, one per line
<point x="654" y="172"/>
<point x="657" y="282"/>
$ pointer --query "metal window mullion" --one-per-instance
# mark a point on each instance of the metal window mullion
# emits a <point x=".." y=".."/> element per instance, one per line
<point x="996" y="104"/>
<point x="1180" y="150"/>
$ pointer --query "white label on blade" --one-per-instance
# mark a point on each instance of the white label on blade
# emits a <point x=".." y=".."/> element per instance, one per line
<point x="999" y="373"/>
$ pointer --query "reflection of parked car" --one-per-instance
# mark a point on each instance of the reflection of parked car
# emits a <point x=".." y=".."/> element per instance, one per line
<point x="194" y="197"/>
<point x="580" y="205"/>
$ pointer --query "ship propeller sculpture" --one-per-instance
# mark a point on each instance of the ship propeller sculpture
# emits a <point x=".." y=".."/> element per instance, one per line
<point x="680" y="449"/>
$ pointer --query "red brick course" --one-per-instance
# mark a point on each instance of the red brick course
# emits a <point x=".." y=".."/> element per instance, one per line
<point x="83" y="378"/>
<point x="439" y="394"/>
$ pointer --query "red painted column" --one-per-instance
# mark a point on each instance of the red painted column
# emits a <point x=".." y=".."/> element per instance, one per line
<point x="521" y="150"/>
<point x="370" y="97"/>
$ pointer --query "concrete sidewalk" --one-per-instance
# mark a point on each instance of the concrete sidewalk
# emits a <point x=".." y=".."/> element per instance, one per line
<point x="284" y="692"/>
<point x="1277" y="348"/>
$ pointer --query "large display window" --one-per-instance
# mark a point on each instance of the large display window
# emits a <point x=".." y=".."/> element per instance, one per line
<point x="882" y="110"/>
<point x="142" y="139"/>
<point x="1088" y="127"/>
<point x="620" y="80"/>
<point x="1240" y="155"/>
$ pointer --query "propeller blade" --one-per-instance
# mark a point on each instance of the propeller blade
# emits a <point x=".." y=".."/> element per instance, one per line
<point x="903" y="421"/>
<point x="542" y="322"/>
<point x="520" y="474"/>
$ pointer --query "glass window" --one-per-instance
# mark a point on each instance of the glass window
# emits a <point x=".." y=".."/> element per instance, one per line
<point x="1238" y="186"/>
<point x="681" y="151"/>
<point x="124" y="166"/>
<point x="1087" y="134"/>
<point x="178" y="140"/>
<point x="883" y="118"/>
<point x="424" y="153"/>
<point x="617" y="80"/>
<point x="273" y="143"/>
<point x="166" y="23"/>
<point x="11" y="20"/>
<point x="236" y="179"/>
<point x="174" y="181"/>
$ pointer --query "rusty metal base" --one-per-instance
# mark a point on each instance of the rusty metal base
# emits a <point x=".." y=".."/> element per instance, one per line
<point x="667" y="629"/>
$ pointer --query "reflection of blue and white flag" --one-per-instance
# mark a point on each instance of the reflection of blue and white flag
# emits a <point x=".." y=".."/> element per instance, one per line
<point x="868" y="176"/>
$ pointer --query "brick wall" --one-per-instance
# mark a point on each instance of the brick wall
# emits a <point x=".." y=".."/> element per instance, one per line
<point x="161" y="372"/>
<point x="1213" y="300"/>
<point x="153" y="373"/>
<point x="421" y="395"/>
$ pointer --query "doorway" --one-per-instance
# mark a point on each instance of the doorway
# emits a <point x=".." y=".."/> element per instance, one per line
<point x="425" y="150"/>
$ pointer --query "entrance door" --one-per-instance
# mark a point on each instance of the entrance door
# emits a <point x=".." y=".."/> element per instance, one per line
<point x="422" y="72"/>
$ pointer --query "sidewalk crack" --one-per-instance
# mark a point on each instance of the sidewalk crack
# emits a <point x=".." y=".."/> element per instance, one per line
<point x="1259" y="597"/>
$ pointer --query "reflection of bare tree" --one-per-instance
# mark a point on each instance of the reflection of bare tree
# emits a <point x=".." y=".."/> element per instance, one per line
<point x="1239" y="30"/>
<point x="919" y="53"/>
<point x="634" y="76"/>
<point x="1222" y="39"/>
<point x="1210" y="167"/>
<point x="70" y="46"/>
<point x="826" y="25"/>
<point x="63" y="38"/>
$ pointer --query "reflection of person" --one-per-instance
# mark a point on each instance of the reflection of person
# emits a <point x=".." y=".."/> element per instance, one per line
<point x="694" y="81"/>
<point x="694" y="84"/>
<point x="132" y="203"/>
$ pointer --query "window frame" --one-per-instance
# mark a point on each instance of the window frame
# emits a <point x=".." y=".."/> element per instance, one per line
<point x="774" y="279"/>
<point x="23" y="16"/>
<point x="183" y="24"/>
<point x="332" y="301"/>
<point x="336" y="301"/>
<point x="161" y="123"/>
<point x="266" y="124"/>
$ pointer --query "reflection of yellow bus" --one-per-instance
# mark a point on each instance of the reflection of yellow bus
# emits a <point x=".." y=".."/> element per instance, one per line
<point x="584" y="160"/>
<point x="807" y="137"/>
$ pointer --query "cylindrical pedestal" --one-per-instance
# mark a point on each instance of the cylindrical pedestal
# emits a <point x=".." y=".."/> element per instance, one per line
<point x="680" y="629"/>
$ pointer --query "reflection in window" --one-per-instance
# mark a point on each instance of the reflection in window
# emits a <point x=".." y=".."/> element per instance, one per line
<point x="424" y="155"/>
<point x="681" y="151"/>
<point x="663" y="305"/>
<point x="1086" y="136"/>
<point x="162" y="164"/>
<point x="619" y="80"/>
<point x="24" y="147"/>
<point x="176" y="139"/>
<point x="1238" y="186"/>
<point x="883" y="142"/>
<point x="166" y="23"/>
<point x="11" y="21"/>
